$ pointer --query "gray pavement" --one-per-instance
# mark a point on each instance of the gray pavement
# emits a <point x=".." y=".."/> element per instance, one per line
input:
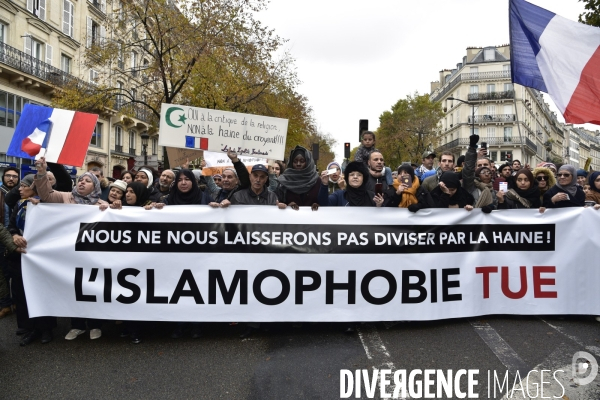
<point x="289" y="363"/>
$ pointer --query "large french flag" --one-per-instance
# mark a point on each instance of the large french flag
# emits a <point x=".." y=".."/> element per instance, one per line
<point x="557" y="56"/>
<point x="62" y="136"/>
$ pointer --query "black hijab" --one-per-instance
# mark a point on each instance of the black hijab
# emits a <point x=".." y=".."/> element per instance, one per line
<point x="142" y="194"/>
<point x="532" y="194"/>
<point x="358" y="197"/>
<point x="193" y="196"/>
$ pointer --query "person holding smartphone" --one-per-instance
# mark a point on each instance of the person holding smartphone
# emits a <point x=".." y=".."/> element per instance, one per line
<point x="356" y="193"/>
<point x="406" y="189"/>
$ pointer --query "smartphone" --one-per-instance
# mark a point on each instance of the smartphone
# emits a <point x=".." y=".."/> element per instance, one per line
<point x="332" y="171"/>
<point x="407" y="180"/>
<point x="378" y="188"/>
<point x="503" y="186"/>
<point x="484" y="145"/>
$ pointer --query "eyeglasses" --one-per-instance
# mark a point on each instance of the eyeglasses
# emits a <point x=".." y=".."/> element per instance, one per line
<point x="541" y="178"/>
<point x="563" y="175"/>
<point x="11" y="176"/>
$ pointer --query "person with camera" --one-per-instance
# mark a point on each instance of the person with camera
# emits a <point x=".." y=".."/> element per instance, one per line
<point x="407" y="189"/>
<point x="356" y="193"/>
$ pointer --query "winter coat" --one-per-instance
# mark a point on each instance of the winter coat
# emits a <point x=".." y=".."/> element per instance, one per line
<point x="574" y="201"/>
<point x="248" y="197"/>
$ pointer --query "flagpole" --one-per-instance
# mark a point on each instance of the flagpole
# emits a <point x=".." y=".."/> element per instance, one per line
<point x="517" y="121"/>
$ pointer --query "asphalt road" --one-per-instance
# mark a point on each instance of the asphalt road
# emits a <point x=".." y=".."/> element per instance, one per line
<point x="295" y="363"/>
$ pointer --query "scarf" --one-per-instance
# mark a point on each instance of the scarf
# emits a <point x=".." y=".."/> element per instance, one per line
<point x="571" y="188"/>
<point x="193" y="196"/>
<point x="91" y="198"/>
<point x="360" y="196"/>
<point x="149" y="175"/>
<point x="299" y="181"/>
<point x="409" y="195"/>
<point x="142" y="194"/>
<point x="485" y="198"/>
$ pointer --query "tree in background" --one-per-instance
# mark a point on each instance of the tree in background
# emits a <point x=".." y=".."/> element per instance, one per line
<point x="411" y="127"/>
<point x="592" y="14"/>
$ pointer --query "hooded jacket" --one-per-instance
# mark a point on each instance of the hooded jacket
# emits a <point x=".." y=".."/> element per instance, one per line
<point x="551" y="180"/>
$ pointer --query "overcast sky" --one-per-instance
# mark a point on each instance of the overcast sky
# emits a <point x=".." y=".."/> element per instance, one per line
<point x="358" y="58"/>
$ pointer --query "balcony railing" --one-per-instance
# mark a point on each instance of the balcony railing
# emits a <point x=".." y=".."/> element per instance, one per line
<point x="119" y="148"/>
<point x="471" y="76"/>
<point x="30" y="65"/>
<point x="132" y="151"/>
<point x="136" y="110"/>
<point x="482" y="119"/>
<point x="491" y="141"/>
<point x="508" y="94"/>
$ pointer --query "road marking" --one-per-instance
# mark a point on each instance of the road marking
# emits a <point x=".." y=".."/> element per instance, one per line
<point x="592" y="349"/>
<point x="500" y="348"/>
<point x="376" y="352"/>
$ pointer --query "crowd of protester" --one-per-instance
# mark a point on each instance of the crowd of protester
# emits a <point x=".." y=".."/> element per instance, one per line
<point x="472" y="181"/>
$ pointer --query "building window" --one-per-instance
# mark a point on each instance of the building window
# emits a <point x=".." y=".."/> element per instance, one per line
<point x="494" y="156"/>
<point x="95" y="33"/>
<point x="489" y="55"/>
<point x="120" y="63"/>
<point x="119" y="99"/>
<point x="133" y="63"/>
<point x="68" y="11"/>
<point x="154" y="146"/>
<point x="93" y="76"/>
<point x="508" y="87"/>
<point x="118" y="138"/>
<point x="3" y="32"/>
<point x="508" y="134"/>
<point x="491" y="87"/>
<point x="65" y="63"/>
<point x="132" y="142"/>
<point x="100" y="5"/>
<point x="473" y="89"/>
<point x="133" y="94"/>
<point x="491" y="132"/>
<point x="503" y="155"/>
<point x="38" y="8"/>
<point x="97" y="136"/>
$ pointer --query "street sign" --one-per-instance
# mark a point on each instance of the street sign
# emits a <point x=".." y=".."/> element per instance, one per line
<point x="151" y="158"/>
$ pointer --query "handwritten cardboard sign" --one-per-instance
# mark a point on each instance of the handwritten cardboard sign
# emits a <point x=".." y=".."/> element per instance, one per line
<point x="178" y="157"/>
<point x="216" y="162"/>
<point x="213" y="130"/>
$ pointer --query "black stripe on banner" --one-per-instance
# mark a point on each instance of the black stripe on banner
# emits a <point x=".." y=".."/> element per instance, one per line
<point x="320" y="239"/>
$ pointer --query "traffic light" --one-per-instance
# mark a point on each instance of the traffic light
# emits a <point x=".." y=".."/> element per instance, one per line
<point x="315" y="151"/>
<point x="346" y="150"/>
<point x="363" y="125"/>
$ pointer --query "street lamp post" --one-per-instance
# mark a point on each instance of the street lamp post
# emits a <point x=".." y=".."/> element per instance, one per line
<point x="472" y="112"/>
<point x="144" y="135"/>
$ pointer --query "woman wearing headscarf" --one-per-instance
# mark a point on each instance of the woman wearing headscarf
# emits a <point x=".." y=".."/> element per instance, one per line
<point x="448" y="194"/>
<point x="145" y="175"/>
<point x="299" y="184"/>
<point x="185" y="190"/>
<point x="87" y="191"/>
<point x="406" y="190"/>
<point x="336" y="180"/>
<point x="116" y="195"/>
<point x="137" y="195"/>
<point x="356" y="194"/>
<point x="594" y="193"/>
<point x="566" y="192"/>
<point x="545" y="179"/>
<point x="524" y="193"/>
<point x="30" y="328"/>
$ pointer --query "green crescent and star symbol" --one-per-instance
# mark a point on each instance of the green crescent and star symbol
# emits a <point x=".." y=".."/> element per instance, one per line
<point x="181" y="118"/>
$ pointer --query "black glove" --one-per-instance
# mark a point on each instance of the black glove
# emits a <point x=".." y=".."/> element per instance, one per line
<point x="413" y="208"/>
<point x="473" y="139"/>
<point x="486" y="209"/>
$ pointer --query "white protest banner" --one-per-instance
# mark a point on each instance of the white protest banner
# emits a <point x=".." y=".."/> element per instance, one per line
<point x="216" y="162"/>
<point x="259" y="263"/>
<point x="214" y="130"/>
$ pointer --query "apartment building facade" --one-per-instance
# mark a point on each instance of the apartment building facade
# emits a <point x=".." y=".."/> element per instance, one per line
<point x="513" y="120"/>
<point x="42" y="48"/>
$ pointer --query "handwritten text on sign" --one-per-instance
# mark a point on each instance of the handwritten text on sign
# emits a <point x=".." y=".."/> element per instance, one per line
<point x="214" y="130"/>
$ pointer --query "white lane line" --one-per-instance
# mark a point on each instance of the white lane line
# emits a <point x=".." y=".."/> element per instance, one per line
<point x="376" y="351"/>
<point x="592" y="349"/>
<point x="500" y="348"/>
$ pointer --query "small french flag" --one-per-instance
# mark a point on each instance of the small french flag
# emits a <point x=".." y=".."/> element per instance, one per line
<point x="62" y="136"/>
<point x="196" y="143"/>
